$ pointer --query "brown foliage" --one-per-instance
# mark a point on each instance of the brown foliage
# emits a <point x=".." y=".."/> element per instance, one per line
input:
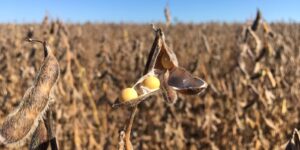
<point x="250" y="103"/>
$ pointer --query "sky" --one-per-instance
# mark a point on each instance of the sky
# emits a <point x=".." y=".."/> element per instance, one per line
<point x="147" y="11"/>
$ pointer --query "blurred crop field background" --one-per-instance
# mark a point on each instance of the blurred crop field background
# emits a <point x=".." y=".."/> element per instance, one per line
<point x="252" y="101"/>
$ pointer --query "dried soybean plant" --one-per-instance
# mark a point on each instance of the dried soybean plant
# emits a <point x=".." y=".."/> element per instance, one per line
<point x="294" y="142"/>
<point x="32" y="118"/>
<point x="249" y="59"/>
<point x="161" y="74"/>
<point x="167" y="15"/>
<point x="257" y="22"/>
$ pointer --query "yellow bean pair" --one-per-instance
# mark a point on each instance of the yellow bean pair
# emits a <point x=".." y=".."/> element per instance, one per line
<point x="151" y="82"/>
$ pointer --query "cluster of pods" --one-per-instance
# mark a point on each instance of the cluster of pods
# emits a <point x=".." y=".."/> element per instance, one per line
<point x="162" y="74"/>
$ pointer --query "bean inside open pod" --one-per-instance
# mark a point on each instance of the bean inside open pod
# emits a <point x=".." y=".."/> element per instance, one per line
<point x="163" y="64"/>
<point x="142" y="90"/>
<point x="161" y="56"/>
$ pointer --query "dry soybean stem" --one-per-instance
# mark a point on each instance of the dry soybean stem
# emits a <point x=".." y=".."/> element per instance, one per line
<point x="148" y="65"/>
<point x="128" y="143"/>
<point x="167" y="14"/>
<point x="50" y="131"/>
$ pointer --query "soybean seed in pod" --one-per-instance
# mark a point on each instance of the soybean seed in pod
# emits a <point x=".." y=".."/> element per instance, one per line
<point x="166" y="62"/>
<point x="128" y="94"/>
<point x="151" y="82"/>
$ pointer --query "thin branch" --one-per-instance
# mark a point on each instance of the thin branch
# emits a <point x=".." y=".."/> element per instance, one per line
<point x="128" y="143"/>
<point x="150" y="64"/>
<point x="50" y="131"/>
<point x="206" y="44"/>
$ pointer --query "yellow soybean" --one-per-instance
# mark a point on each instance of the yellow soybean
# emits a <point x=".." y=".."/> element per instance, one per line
<point x="128" y="94"/>
<point x="151" y="82"/>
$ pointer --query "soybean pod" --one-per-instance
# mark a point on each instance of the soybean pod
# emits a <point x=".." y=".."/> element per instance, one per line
<point x="23" y="121"/>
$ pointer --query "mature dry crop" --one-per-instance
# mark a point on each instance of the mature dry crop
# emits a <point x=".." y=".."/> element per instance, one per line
<point x="167" y="15"/>
<point x="294" y="142"/>
<point x="162" y="63"/>
<point x="252" y="100"/>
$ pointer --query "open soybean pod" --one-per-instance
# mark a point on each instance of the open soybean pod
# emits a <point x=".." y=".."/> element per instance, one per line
<point x="161" y="57"/>
<point x="163" y="64"/>
<point x="175" y="77"/>
<point x="168" y="93"/>
<point x="142" y="90"/>
<point x="166" y="59"/>
<point x="150" y="70"/>
<point x="185" y="83"/>
<point x="22" y="123"/>
<point x="153" y="67"/>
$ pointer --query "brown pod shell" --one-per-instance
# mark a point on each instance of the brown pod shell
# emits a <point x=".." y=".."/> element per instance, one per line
<point x="168" y="93"/>
<point x="160" y="54"/>
<point x="256" y="21"/>
<point x="21" y="124"/>
<point x="185" y="83"/>
<point x="39" y="138"/>
<point x="166" y="58"/>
